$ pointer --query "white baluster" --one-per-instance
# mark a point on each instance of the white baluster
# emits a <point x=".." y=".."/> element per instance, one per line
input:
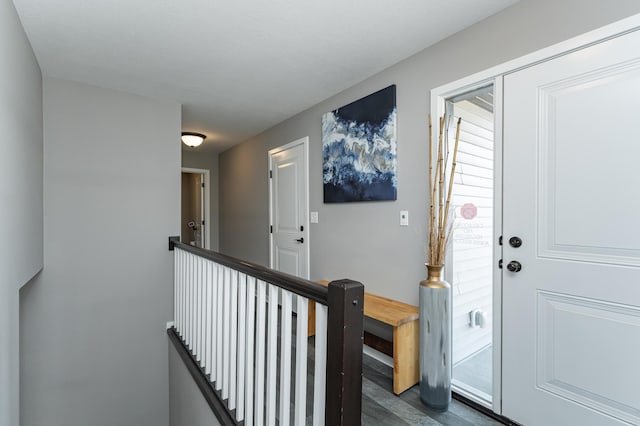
<point x="206" y="353"/>
<point x="302" y="318"/>
<point x="183" y="294"/>
<point x="285" y="357"/>
<point x="226" y="330"/>
<point x="213" y="277"/>
<point x="201" y="311"/>
<point x="250" y="322"/>
<point x="319" y="375"/>
<point x="260" y="352"/>
<point x="178" y="284"/>
<point x="175" y="288"/>
<point x="185" y="298"/>
<point x="242" y="320"/>
<point x="192" y="302"/>
<point x="198" y="310"/>
<point x="219" y="337"/>
<point x="272" y="354"/>
<point x="191" y="309"/>
<point x="233" y="343"/>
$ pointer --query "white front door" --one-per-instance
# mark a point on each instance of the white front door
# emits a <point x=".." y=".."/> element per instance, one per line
<point x="571" y="315"/>
<point x="289" y="218"/>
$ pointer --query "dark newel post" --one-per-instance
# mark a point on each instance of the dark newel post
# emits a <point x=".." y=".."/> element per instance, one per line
<point x="345" y="325"/>
<point x="172" y="242"/>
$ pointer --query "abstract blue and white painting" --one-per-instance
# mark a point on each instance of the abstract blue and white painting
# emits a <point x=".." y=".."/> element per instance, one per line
<point x="359" y="149"/>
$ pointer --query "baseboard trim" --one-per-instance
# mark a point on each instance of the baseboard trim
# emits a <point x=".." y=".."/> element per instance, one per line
<point x="377" y="355"/>
<point x="219" y="408"/>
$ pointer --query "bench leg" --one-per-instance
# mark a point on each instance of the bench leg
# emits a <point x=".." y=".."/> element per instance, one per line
<point x="406" y="370"/>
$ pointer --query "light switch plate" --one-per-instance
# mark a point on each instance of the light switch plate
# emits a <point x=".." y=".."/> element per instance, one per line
<point x="404" y="218"/>
<point x="314" y="217"/>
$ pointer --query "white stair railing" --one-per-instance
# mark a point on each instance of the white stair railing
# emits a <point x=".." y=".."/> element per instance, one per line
<point x="237" y="320"/>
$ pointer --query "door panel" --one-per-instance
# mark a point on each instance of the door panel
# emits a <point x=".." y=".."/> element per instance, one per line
<point x="289" y="238"/>
<point x="571" y="316"/>
<point x="563" y="356"/>
<point x="288" y="260"/>
<point x="582" y="145"/>
<point x="286" y="213"/>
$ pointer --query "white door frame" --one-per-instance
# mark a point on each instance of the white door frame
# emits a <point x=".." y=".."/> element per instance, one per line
<point x="305" y="145"/>
<point x="494" y="75"/>
<point x="206" y="236"/>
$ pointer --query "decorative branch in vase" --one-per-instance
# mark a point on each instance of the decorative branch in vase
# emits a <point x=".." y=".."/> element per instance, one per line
<point x="435" y="292"/>
<point x="440" y="225"/>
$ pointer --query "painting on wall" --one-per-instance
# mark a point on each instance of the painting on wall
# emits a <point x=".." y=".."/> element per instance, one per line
<point x="359" y="149"/>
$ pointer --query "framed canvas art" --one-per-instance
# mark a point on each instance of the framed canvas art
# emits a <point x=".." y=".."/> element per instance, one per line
<point x="359" y="150"/>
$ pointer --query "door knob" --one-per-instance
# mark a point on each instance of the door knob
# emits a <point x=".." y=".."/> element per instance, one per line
<point x="300" y="240"/>
<point x="515" y="242"/>
<point x="514" y="266"/>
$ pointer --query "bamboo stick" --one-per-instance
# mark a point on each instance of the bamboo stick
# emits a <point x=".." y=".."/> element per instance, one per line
<point x="441" y="176"/>
<point x="451" y="177"/>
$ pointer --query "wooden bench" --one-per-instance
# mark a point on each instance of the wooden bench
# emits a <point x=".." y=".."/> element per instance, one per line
<point x="403" y="318"/>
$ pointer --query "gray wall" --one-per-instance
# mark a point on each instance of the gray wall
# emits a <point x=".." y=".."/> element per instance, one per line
<point x="93" y="341"/>
<point x="364" y="241"/>
<point x="20" y="193"/>
<point x="192" y="158"/>
<point x="187" y="405"/>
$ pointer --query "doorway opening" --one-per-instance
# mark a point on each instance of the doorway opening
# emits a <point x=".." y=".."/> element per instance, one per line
<point x="194" y="218"/>
<point x="470" y="260"/>
<point x="543" y="203"/>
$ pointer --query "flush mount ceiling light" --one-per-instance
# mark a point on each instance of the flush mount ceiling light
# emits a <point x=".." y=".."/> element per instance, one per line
<point x="192" y="139"/>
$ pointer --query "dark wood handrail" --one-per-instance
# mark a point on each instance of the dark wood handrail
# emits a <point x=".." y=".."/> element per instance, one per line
<point x="305" y="288"/>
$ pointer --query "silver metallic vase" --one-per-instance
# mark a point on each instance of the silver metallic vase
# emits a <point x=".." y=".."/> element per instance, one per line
<point x="435" y="340"/>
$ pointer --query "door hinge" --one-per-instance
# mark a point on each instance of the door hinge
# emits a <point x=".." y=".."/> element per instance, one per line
<point x="203" y="184"/>
<point x="203" y="223"/>
<point x="270" y="174"/>
<point x="271" y="229"/>
<point x="500" y="240"/>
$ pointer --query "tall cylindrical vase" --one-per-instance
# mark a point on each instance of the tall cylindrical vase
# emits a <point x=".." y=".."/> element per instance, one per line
<point x="435" y="340"/>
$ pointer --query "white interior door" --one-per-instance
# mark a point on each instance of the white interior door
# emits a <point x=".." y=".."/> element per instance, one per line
<point x="571" y="315"/>
<point x="289" y="204"/>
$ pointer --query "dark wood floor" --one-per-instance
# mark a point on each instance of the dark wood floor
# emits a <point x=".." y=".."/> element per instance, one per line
<point x="381" y="407"/>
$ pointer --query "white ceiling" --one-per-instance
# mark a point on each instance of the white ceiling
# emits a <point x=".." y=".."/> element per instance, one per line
<point x="238" y="67"/>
